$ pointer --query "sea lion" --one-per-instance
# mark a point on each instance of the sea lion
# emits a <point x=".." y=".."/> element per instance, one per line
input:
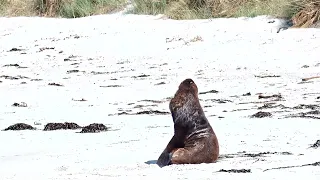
<point x="194" y="140"/>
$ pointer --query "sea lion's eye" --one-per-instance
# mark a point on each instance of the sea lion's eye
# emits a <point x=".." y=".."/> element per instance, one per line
<point x="191" y="82"/>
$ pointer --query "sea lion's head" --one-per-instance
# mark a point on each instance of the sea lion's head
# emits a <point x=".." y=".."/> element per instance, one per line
<point x="188" y="86"/>
<point x="186" y="95"/>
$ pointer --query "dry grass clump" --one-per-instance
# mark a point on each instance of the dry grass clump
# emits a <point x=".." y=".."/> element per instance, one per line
<point x="16" y="8"/>
<point x="60" y="8"/>
<point x="47" y="7"/>
<point x="308" y="15"/>
<point x="149" y="7"/>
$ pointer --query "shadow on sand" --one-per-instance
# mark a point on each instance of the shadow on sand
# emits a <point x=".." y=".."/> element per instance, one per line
<point x="151" y="162"/>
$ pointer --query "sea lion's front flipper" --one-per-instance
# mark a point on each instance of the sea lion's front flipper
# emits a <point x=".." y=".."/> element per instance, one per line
<point x="164" y="159"/>
<point x="166" y="155"/>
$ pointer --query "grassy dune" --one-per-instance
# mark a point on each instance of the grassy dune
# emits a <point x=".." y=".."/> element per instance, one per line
<point x="303" y="12"/>
<point x="186" y="9"/>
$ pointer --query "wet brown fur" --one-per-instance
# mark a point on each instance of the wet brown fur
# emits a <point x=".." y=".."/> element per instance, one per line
<point x="194" y="140"/>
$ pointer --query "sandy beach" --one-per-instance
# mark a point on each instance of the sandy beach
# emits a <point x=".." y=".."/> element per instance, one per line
<point x="122" y="70"/>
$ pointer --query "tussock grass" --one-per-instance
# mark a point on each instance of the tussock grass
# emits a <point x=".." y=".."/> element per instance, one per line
<point x="3" y="5"/>
<point x="149" y="7"/>
<point x="59" y="8"/>
<point x="81" y="8"/>
<point x="276" y="8"/>
<point x="199" y="9"/>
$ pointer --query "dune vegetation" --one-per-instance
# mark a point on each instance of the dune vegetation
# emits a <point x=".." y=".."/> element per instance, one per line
<point x="303" y="13"/>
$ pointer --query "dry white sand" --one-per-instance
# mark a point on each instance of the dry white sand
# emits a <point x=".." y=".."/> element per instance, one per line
<point x="228" y="57"/>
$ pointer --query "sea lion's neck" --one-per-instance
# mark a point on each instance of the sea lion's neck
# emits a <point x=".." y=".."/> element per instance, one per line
<point x="190" y="117"/>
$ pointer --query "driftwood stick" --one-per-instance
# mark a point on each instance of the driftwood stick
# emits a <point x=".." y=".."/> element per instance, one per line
<point x="309" y="78"/>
